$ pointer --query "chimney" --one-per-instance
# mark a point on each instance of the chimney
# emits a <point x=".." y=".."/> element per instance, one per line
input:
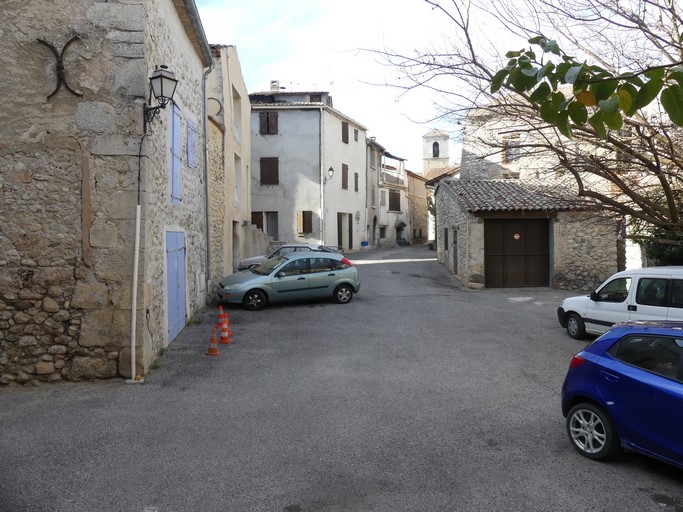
<point x="275" y="86"/>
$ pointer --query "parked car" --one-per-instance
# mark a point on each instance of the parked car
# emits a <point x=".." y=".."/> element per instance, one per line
<point x="654" y="293"/>
<point x="293" y="247"/>
<point x="292" y="276"/>
<point x="625" y="390"/>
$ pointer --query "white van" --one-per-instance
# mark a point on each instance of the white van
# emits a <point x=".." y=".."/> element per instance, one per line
<point x="654" y="293"/>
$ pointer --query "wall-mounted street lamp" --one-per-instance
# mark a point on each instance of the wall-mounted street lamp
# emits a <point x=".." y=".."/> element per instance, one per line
<point x="330" y="173"/>
<point x="162" y="84"/>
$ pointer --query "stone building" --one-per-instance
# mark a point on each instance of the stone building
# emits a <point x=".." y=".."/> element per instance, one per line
<point x="78" y="164"/>
<point x="513" y="218"/>
<point x="233" y="236"/>
<point x="416" y="193"/>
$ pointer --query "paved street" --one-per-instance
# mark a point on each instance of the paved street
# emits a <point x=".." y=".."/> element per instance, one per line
<point x="420" y="395"/>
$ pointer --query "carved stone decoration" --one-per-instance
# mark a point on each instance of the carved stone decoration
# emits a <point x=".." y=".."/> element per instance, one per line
<point x="61" y="75"/>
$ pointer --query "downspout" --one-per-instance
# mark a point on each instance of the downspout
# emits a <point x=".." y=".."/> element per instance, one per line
<point x="205" y="123"/>
<point x="322" y="178"/>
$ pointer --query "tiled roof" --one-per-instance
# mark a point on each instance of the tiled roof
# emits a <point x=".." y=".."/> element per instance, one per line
<point x="510" y="195"/>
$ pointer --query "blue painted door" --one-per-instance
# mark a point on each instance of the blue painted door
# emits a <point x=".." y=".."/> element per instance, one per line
<point x="175" y="266"/>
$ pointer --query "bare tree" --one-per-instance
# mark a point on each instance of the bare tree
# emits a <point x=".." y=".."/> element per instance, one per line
<point x="612" y="51"/>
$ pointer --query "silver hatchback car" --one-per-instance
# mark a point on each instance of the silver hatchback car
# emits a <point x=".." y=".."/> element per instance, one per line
<point x="290" y="277"/>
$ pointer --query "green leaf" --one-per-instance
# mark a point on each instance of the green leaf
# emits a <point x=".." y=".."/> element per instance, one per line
<point x="541" y="93"/>
<point x="513" y="54"/>
<point x="598" y="124"/>
<point x="562" y="69"/>
<point x="676" y="75"/>
<point x="498" y="79"/>
<point x="530" y="71"/>
<point x="603" y="89"/>
<point x="609" y="106"/>
<point x="550" y="46"/>
<point x="648" y="93"/>
<point x="655" y="74"/>
<point x="521" y="82"/>
<point x="578" y="113"/>
<point x="613" y="121"/>
<point x="573" y="74"/>
<point x="548" y="112"/>
<point x="537" y="40"/>
<point x="564" y="125"/>
<point x="557" y="99"/>
<point x="672" y="101"/>
<point x="542" y="72"/>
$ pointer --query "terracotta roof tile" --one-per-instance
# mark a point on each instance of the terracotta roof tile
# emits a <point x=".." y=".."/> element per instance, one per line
<point x="511" y="195"/>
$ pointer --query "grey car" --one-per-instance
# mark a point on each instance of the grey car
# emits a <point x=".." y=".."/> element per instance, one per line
<point x="292" y="276"/>
<point x="285" y="248"/>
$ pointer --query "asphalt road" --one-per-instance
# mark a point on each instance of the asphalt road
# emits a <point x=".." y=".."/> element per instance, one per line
<point x="419" y="395"/>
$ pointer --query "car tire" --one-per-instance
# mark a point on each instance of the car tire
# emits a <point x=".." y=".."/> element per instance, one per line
<point x="255" y="300"/>
<point x="592" y="432"/>
<point x="576" y="328"/>
<point x="343" y="294"/>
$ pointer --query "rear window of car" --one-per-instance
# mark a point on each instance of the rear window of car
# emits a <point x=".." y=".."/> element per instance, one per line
<point x="656" y="354"/>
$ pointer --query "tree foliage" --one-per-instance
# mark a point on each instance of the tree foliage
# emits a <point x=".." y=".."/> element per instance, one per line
<point x="600" y="90"/>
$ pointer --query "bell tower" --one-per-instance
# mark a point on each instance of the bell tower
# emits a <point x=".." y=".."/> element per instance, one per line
<point x="434" y="150"/>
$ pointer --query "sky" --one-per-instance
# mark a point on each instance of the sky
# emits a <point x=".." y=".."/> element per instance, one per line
<point x="313" y="45"/>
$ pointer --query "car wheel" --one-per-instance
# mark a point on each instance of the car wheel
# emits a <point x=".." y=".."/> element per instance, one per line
<point x="575" y="326"/>
<point x="254" y="300"/>
<point x="343" y="294"/>
<point x="591" y="432"/>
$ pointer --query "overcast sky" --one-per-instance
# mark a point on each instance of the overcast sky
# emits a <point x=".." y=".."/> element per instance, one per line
<point x="311" y="45"/>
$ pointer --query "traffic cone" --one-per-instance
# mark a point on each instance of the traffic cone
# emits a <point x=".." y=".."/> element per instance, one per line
<point x="225" y="333"/>
<point x="213" y="346"/>
<point x="221" y="315"/>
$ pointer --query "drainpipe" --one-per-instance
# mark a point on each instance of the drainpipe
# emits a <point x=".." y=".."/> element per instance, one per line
<point x="322" y="178"/>
<point x="205" y="123"/>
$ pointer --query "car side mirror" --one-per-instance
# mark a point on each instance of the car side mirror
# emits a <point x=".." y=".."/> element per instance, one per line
<point x="280" y="274"/>
<point x="594" y="296"/>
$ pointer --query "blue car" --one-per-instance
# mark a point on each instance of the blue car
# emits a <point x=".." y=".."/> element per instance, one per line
<point x="625" y="390"/>
<point x="292" y="276"/>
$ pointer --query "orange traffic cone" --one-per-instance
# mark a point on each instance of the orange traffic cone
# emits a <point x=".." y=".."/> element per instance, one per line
<point x="225" y="334"/>
<point x="213" y="346"/>
<point x="221" y="315"/>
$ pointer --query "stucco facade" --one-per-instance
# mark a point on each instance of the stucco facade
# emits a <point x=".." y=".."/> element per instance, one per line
<point x="294" y="199"/>
<point x="75" y="164"/>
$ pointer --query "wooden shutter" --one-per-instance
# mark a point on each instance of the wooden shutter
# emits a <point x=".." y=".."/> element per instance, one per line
<point x="257" y="219"/>
<point x="394" y="201"/>
<point x="191" y="144"/>
<point x="345" y="132"/>
<point x="355" y="181"/>
<point x="269" y="171"/>
<point x="176" y="157"/>
<point x="345" y="176"/>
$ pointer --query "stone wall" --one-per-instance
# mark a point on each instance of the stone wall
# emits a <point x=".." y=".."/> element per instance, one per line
<point x="69" y="184"/>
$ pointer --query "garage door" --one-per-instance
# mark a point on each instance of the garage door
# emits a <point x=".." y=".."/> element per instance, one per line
<point x="516" y="253"/>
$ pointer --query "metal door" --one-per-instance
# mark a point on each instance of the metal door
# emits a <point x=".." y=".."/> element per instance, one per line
<point x="175" y="280"/>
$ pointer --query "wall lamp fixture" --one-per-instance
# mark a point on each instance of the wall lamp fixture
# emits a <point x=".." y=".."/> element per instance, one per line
<point x="162" y="84"/>
<point x="330" y="173"/>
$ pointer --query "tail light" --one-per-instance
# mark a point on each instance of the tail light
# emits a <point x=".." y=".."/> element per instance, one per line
<point x="346" y="262"/>
<point x="577" y="360"/>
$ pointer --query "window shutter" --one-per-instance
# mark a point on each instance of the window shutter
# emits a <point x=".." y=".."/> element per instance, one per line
<point x="345" y="132"/>
<point x="263" y="123"/>
<point x="308" y="221"/>
<point x="272" y="122"/>
<point x="300" y="222"/>
<point x="257" y="219"/>
<point x="269" y="171"/>
<point x="191" y="144"/>
<point x="345" y="176"/>
<point x="176" y="157"/>
<point x="355" y="181"/>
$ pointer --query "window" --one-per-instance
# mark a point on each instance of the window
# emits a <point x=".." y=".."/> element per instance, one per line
<point x="257" y="219"/>
<point x="268" y="123"/>
<point x="676" y="294"/>
<point x="355" y="135"/>
<point x="304" y="221"/>
<point x="296" y="267"/>
<point x="615" y="291"/>
<point x="270" y="171"/>
<point x="322" y="265"/>
<point x="316" y="98"/>
<point x="511" y="151"/>
<point x="176" y="157"/>
<point x="382" y="197"/>
<point x="355" y="181"/>
<point x="652" y="291"/>
<point x="345" y="176"/>
<point x="445" y="239"/>
<point x="345" y="132"/>
<point x="435" y="150"/>
<point x="272" y="225"/>
<point x="373" y="158"/>
<point x="656" y="354"/>
<point x="394" y="201"/>
<point x="191" y="144"/>
<point x="382" y="231"/>
<point x="373" y="201"/>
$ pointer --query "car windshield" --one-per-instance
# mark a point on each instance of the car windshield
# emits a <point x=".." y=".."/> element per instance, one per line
<point x="269" y="265"/>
